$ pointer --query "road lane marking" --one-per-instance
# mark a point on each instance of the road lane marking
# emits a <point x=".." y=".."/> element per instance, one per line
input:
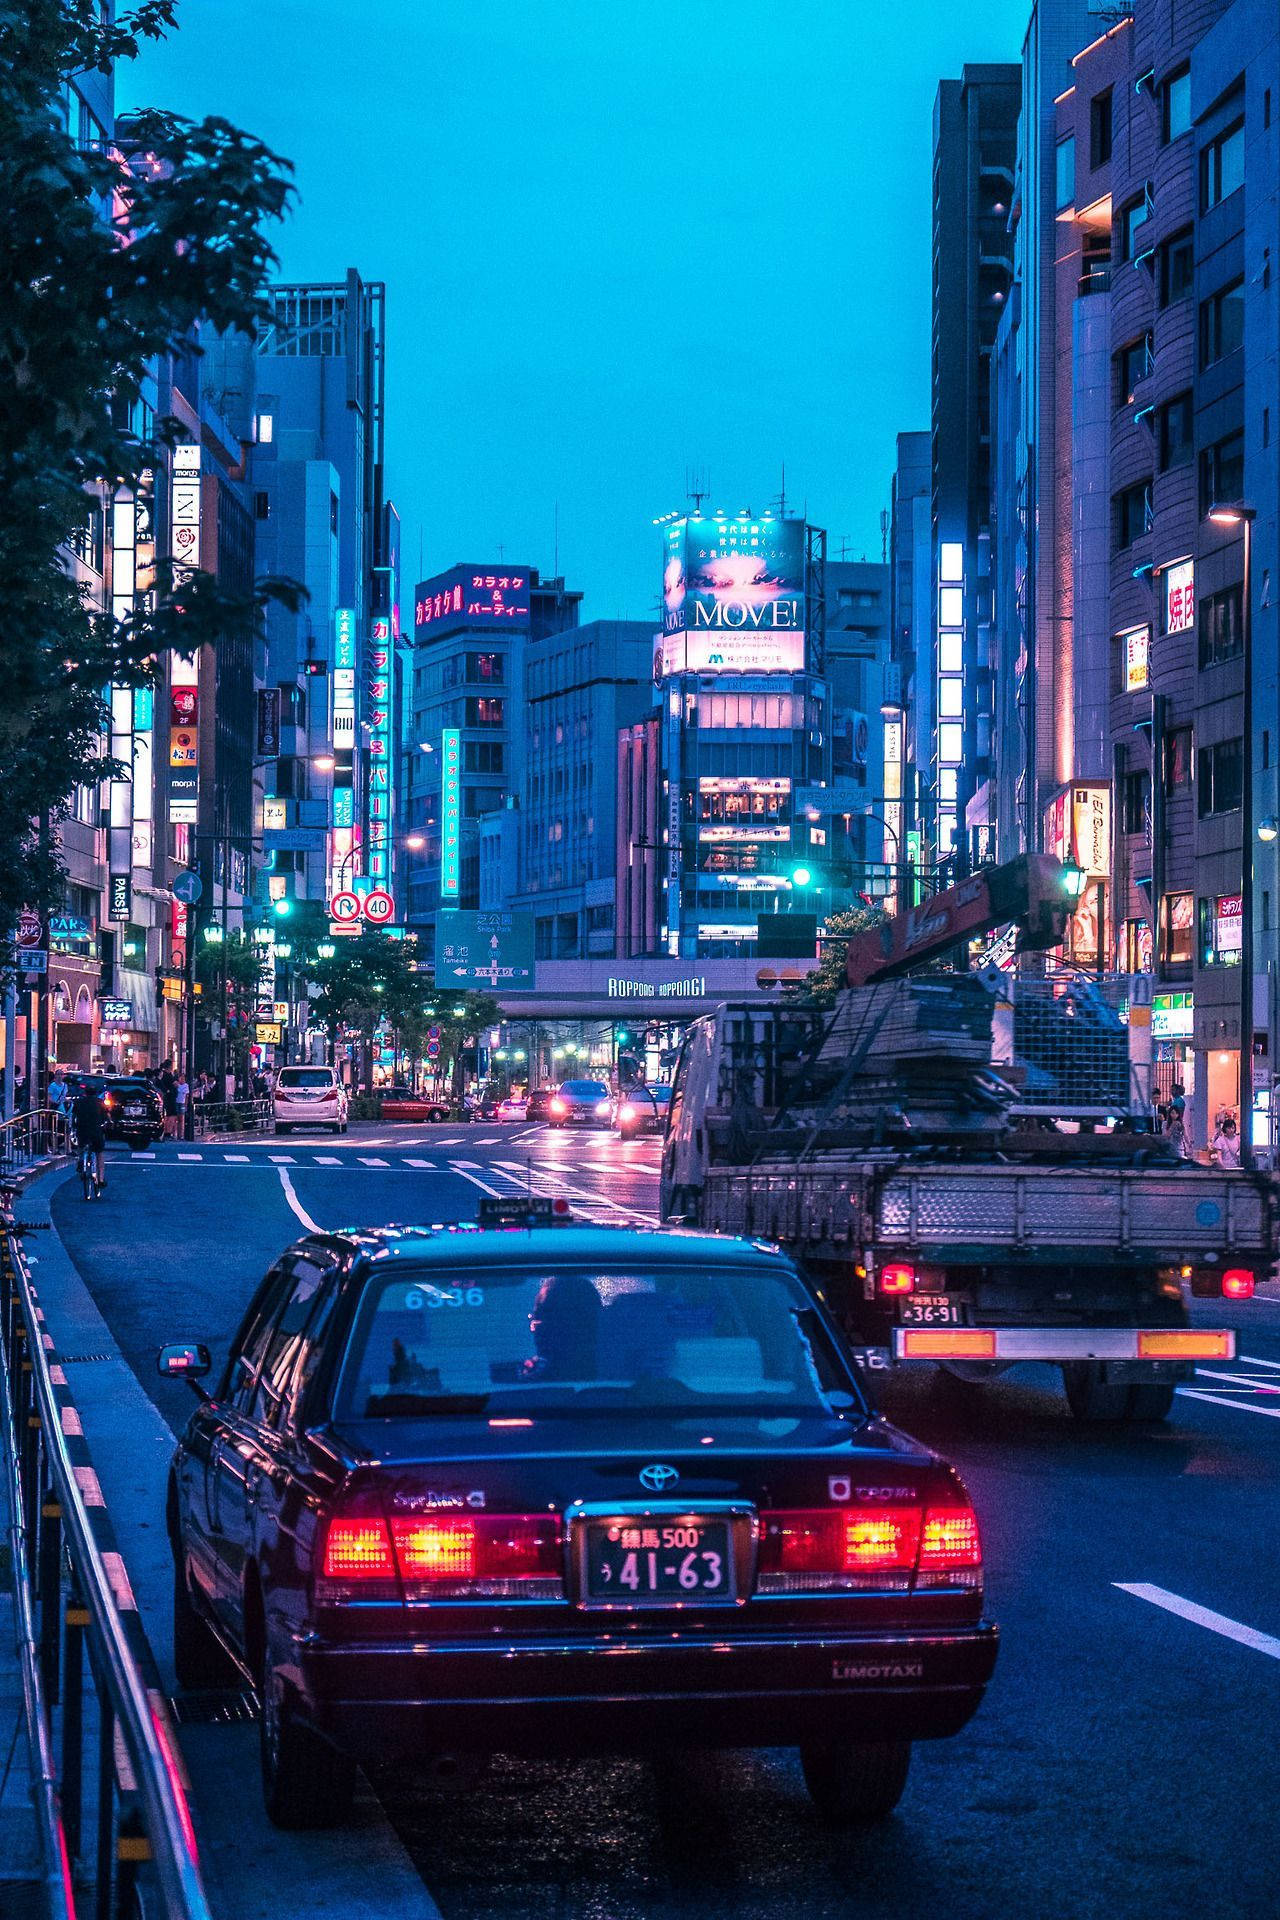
<point x="1237" y="1380"/>
<point x="237" y="1159"/>
<point x="495" y="1193"/>
<point x="142" y="1156"/>
<point x="312" y="1226"/>
<point x="1224" y="1400"/>
<point x="367" y="1161"/>
<point x="191" y="1156"/>
<point x="452" y="1141"/>
<point x="327" y="1160"/>
<point x="419" y="1163"/>
<point x="1256" y="1360"/>
<point x="489" y="1140"/>
<point x="1203" y="1617"/>
<point x="279" y="1159"/>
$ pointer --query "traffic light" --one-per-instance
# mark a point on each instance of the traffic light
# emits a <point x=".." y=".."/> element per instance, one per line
<point x="315" y="669"/>
<point x="801" y="876"/>
<point x="624" y="1037"/>
<point x="282" y="907"/>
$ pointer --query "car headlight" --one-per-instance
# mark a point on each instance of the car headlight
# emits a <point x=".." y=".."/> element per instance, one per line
<point x="602" y="1106"/>
<point x="626" y="1113"/>
<point x="558" y="1106"/>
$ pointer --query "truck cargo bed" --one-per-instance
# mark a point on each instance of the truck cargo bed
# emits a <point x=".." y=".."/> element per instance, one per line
<point x="975" y="1213"/>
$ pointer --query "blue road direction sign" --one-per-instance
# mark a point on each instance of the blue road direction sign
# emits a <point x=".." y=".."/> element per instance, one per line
<point x="492" y="952"/>
<point x="187" y="887"/>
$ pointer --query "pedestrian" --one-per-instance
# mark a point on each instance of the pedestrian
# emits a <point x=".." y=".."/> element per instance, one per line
<point x="167" y="1087"/>
<point x="1226" y="1142"/>
<point x="19" y="1090"/>
<point x="1174" y="1116"/>
<point x="58" y="1090"/>
<point x="181" y="1095"/>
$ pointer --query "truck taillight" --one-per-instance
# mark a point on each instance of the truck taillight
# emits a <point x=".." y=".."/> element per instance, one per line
<point x="1237" y="1284"/>
<point x="897" y="1277"/>
<point x="443" y="1556"/>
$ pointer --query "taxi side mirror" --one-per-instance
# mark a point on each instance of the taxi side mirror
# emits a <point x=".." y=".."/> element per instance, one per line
<point x="185" y="1360"/>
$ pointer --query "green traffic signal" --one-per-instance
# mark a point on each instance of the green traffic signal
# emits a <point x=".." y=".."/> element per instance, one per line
<point x="801" y="877"/>
<point x="282" y="908"/>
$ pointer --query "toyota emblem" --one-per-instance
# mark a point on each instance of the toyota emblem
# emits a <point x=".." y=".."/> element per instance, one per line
<point x="658" y="1478"/>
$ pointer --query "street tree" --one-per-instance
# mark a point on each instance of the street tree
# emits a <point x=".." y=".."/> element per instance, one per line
<point x="112" y="255"/>
<point x="827" y="978"/>
<point x="362" y="980"/>
<point x="232" y="972"/>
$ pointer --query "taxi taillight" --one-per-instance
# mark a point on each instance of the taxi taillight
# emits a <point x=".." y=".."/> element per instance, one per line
<point x="834" y="1549"/>
<point x="443" y="1556"/>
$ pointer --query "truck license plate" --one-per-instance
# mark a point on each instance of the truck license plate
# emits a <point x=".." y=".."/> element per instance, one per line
<point x="644" y="1562"/>
<point x="929" y="1310"/>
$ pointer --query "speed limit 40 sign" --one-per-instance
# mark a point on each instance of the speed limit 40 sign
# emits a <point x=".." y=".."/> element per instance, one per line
<point x="379" y="907"/>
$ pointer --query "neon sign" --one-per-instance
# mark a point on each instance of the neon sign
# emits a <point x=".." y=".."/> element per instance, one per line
<point x="1180" y="597"/>
<point x="473" y="597"/>
<point x="451" y="813"/>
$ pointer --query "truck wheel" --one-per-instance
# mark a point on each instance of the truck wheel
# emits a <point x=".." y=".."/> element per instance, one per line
<point x="854" y="1783"/>
<point x="1095" y="1400"/>
<point x="1150" y="1404"/>
<point x="305" y="1781"/>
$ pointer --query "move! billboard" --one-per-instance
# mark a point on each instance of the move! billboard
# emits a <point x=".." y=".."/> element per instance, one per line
<point x="733" y="596"/>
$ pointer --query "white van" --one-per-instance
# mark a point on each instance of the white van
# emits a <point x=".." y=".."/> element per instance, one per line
<point x="309" y="1097"/>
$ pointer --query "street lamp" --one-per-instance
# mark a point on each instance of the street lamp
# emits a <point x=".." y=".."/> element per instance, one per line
<point x="1074" y="879"/>
<point x="323" y="762"/>
<point x="1226" y="517"/>
<point x="415" y="842"/>
<point x="1268" y="828"/>
<point x="326" y="950"/>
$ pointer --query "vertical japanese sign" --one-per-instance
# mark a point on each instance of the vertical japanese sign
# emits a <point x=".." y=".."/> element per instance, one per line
<point x="379" y="692"/>
<point x="342" y="733"/>
<point x="269" y="720"/>
<point x="184" y="674"/>
<point x="450" y="813"/>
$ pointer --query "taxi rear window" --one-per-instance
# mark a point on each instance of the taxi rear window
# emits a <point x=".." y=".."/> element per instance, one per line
<point x="572" y="1339"/>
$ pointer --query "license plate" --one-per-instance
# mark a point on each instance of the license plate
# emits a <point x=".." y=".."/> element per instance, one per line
<point x="133" y="1113"/>
<point x="647" y="1562"/>
<point x="929" y="1310"/>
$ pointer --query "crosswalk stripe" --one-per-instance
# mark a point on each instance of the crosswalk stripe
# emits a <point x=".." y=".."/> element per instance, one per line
<point x="281" y="1159"/>
<point x="238" y="1159"/>
<point x="489" y="1140"/>
<point x="143" y="1156"/>
<point x="327" y="1160"/>
<point x="369" y="1160"/>
<point x="453" y="1141"/>
<point x="191" y="1156"/>
<point x="419" y="1163"/>
<point x="462" y="1165"/>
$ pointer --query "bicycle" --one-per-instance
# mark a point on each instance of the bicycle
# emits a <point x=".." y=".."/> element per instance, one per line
<point x="89" y="1181"/>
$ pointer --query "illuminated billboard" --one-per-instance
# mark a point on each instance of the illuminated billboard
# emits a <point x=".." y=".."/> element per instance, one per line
<point x="733" y="595"/>
<point x="473" y="596"/>
<point x="1180" y="596"/>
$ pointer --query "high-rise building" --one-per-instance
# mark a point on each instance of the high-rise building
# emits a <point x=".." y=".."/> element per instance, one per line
<point x="582" y="685"/>
<point x="862" y="839"/>
<point x="974" y="152"/>
<point x="322" y="517"/>
<point x="911" y="615"/>
<point x="465" y="757"/>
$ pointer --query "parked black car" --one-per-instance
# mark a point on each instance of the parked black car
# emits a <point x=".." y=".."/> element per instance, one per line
<point x="447" y="1476"/>
<point x="134" y="1110"/>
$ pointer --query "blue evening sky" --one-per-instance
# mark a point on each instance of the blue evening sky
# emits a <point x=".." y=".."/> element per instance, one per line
<point x="620" y="242"/>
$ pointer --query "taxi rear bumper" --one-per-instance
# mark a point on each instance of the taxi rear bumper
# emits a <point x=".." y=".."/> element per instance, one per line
<point x="742" y="1690"/>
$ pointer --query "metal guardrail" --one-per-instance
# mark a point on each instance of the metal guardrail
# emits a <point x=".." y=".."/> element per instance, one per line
<point x="30" y="1137"/>
<point x="73" y="1597"/>
<point x="232" y="1116"/>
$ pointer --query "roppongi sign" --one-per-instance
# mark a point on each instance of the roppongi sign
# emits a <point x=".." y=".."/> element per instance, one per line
<point x="733" y="596"/>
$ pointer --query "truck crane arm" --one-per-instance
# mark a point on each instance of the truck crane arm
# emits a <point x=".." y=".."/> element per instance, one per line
<point x="1030" y="891"/>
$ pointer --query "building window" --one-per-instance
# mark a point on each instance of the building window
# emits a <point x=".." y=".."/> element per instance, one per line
<point x="1218" y="784"/>
<point x="1133" y="218"/>
<point x="482" y="756"/>
<point x="1175" y="106"/>
<point x="1177" y="760"/>
<point x="261" y="506"/>
<point x="1131" y="513"/>
<point x="333" y="513"/>
<point x="485" y="667"/>
<point x="1176" y="433"/>
<point x="1222" y="166"/>
<point x="1133" y="363"/>
<point x="1221" y="323"/>
<point x="1177" y="267"/>
<point x="1100" y="129"/>
<point x="1222" y="472"/>
<point x="1135" y="801"/>
<point x="484" y="712"/>
<point x="1066" y="173"/>
<point x="1221" y="623"/>
<point x="266" y="429"/>
<point x="1179" y="925"/>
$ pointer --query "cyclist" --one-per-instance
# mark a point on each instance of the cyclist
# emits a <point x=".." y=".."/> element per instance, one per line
<point x="89" y="1118"/>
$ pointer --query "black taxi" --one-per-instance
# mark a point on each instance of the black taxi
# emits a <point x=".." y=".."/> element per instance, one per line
<point x="528" y="1488"/>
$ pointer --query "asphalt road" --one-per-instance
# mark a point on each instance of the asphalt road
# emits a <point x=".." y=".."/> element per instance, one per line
<point x="1124" y="1760"/>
